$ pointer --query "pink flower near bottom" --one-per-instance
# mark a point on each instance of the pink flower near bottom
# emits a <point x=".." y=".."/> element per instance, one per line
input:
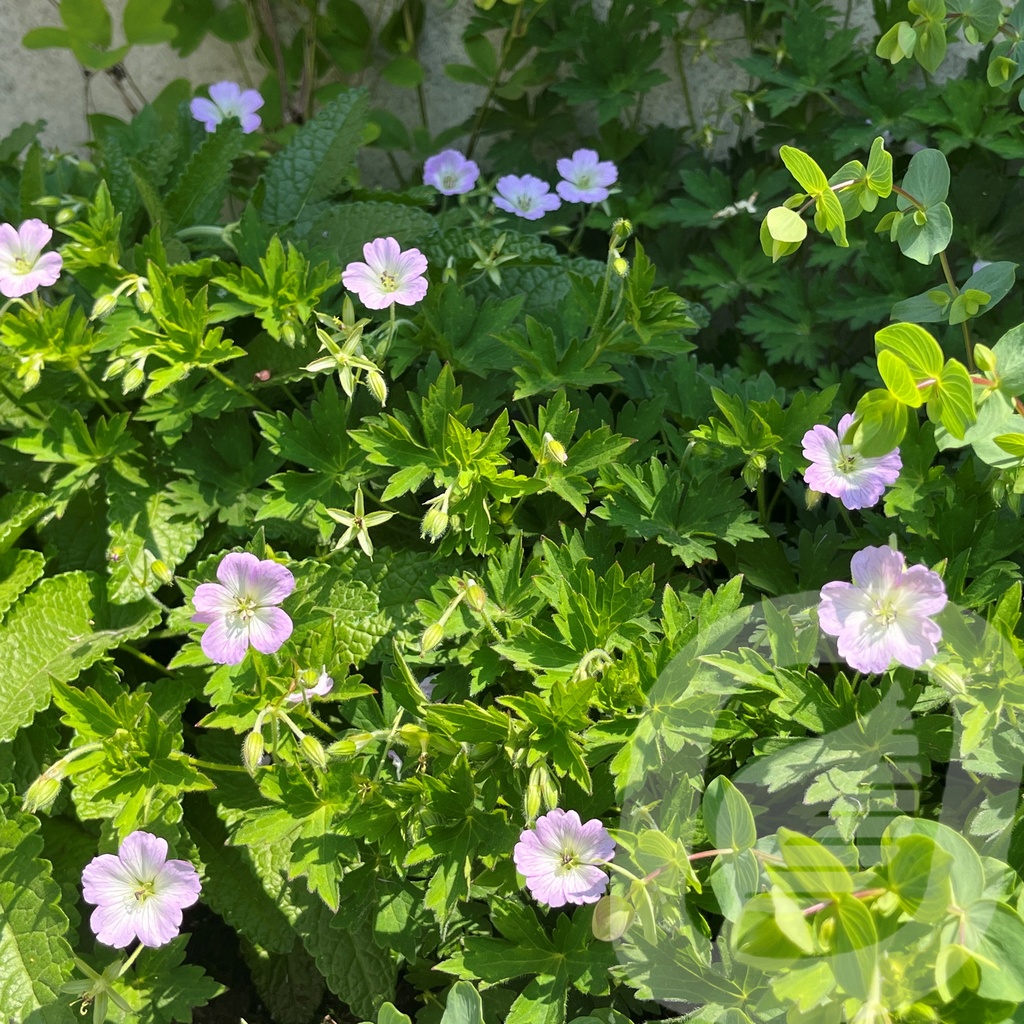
<point x="561" y="859"/>
<point x="139" y="893"/>
<point x="242" y="609"/>
<point x="885" y="614"/>
<point x="24" y="266"/>
<point x="840" y="470"/>
<point x="388" y="275"/>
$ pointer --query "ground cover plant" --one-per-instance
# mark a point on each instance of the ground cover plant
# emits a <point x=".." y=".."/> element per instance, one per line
<point x="577" y="583"/>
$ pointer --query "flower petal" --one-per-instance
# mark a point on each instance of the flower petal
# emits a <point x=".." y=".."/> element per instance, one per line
<point x="225" y="641"/>
<point x="237" y="571"/>
<point x="269" y="628"/>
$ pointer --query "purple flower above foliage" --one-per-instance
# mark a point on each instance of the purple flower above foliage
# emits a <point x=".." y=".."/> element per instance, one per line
<point x="388" y="275"/>
<point x="885" y="614"/>
<point x="139" y="893"/>
<point x="24" y="266"/>
<point x="586" y="178"/>
<point x="242" y="609"/>
<point x="561" y="859"/>
<point x="840" y="470"/>
<point x="526" y="197"/>
<point x="227" y="99"/>
<point x="450" y="173"/>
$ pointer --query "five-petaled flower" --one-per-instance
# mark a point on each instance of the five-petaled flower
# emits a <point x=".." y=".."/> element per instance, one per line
<point x="388" y="275"/>
<point x="227" y="99"/>
<point x="23" y="264"/>
<point x="322" y="685"/>
<point x="526" y="197"/>
<point x="840" y="470"/>
<point x="450" y="173"/>
<point x="138" y="893"/>
<point x="242" y="609"/>
<point x="586" y="177"/>
<point x="562" y="857"/>
<point x="885" y="614"/>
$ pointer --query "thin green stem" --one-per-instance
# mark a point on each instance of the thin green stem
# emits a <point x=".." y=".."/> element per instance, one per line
<point x="228" y="382"/>
<point x="147" y="660"/>
<point x="92" y="388"/>
<point x="211" y="766"/>
<point x="968" y="344"/>
<point x="124" y="967"/>
<point x="506" y="47"/>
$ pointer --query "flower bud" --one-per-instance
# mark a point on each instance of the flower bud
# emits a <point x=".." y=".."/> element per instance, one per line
<point x="115" y="555"/>
<point x="252" y="751"/>
<point x="288" y="334"/>
<point x="162" y="571"/>
<point x="313" y="751"/>
<point x="753" y="471"/>
<point x="812" y="499"/>
<point x="435" y="524"/>
<point x="348" y="311"/>
<point x="476" y="596"/>
<point x="621" y="230"/>
<point x="985" y="358"/>
<point x="64" y="215"/>
<point x="42" y="793"/>
<point x="377" y="385"/>
<point x="432" y="636"/>
<point x="103" y="306"/>
<point x="621" y="266"/>
<point x="144" y="301"/>
<point x="133" y="379"/>
<point x="555" y="450"/>
<point x="30" y="369"/>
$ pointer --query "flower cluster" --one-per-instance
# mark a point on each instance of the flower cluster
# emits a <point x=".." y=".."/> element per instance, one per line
<point x="139" y="893"/>
<point x="24" y="266"/>
<point x="885" y="615"/>
<point x="585" y="179"/>
<point x="227" y="99"/>
<point x="561" y="859"/>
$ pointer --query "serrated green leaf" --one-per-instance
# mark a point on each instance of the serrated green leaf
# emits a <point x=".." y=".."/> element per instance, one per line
<point x="35" y="958"/>
<point x="56" y="631"/>
<point x="201" y="188"/>
<point x="18" y="571"/>
<point x="317" y="160"/>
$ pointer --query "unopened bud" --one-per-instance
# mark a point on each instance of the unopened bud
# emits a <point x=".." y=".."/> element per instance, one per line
<point x="42" y="793"/>
<point x="621" y="230"/>
<point x="985" y="358"/>
<point x="476" y="596"/>
<point x="555" y="450"/>
<point x="29" y="370"/>
<point x="133" y="379"/>
<point x="540" y="778"/>
<point x="434" y="525"/>
<point x="47" y="202"/>
<point x="621" y="266"/>
<point x="753" y="471"/>
<point x="812" y="499"/>
<point x="103" y="306"/>
<point x="63" y="216"/>
<point x="288" y="335"/>
<point x="313" y="751"/>
<point x="947" y="677"/>
<point x="115" y="555"/>
<point x="377" y="385"/>
<point x="162" y="571"/>
<point x="449" y="273"/>
<point x="432" y="636"/>
<point x="252" y="751"/>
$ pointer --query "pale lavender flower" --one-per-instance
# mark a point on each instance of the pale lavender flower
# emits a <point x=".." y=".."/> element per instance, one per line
<point x="450" y="173"/>
<point x="242" y="609"/>
<point x="980" y="265"/>
<point x="139" y="893"/>
<point x="840" y="470"/>
<point x="227" y="99"/>
<point x="24" y="266"/>
<point x="320" y="688"/>
<point x="526" y="197"/>
<point x="561" y="859"/>
<point x="885" y="614"/>
<point x="388" y="275"/>
<point x="427" y="685"/>
<point x="586" y="178"/>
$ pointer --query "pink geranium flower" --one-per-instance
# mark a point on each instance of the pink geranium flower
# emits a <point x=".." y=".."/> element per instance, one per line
<point x="388" y="275"/>
<point x="242" y="609"/>
<point x="323" y="686"/>
<point x="586" y="177"/>
<point x="840" y="470"/>
<point x="227" y="99"/>
<point x="561" y="859"/>
<point x="885" y="614"/>
<point x="24" y="266"/>
<point x="139" y="893"/>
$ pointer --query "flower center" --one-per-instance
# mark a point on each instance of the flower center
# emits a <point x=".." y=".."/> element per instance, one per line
<point x="885" y="611"/>
<point x="388" y="282"/>
<point x="450" y="180"/>
<point x="847" y="462"/>
<point x="525" y="203"/>
<point x="142" y="892"/>
<point x="246" y="608"/>
<point x="584" y="180"/>
<point x="22" y="265"/>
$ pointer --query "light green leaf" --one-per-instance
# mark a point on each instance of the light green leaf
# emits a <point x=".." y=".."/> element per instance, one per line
<point x="144" y="23"/>
<point x="35" y="958"/>
<point x="786" y="225"/>
<point x="922" y="242"/>
<point x="856" y="939"/>
<point x="915" y="346"/>
<point x="87" y="20"/>
<point x="927" y="179"/>
<point x="808" y="174"/>
<point x="879" y="171"/>
<point x="463" y="1005"/>
<point x="1012" y="444"/>
<point x="57" y="630"/>
<point x="727" y="816"/>
<point x="898" y="379"/>
<point x="317" y="160"/>
<point x="952" y="402"/>
<point x="811" y="871"/>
